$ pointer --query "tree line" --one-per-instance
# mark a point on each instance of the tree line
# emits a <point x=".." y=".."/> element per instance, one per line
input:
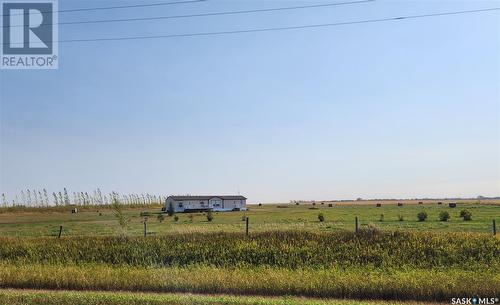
<point x="42" y="198"/>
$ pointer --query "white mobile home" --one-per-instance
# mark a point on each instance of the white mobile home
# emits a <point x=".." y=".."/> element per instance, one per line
<point x="206" y="203"/>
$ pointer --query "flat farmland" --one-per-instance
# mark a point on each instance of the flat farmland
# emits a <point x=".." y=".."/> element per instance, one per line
<point x="91" y="221"/>
<point x="289" y="256"/>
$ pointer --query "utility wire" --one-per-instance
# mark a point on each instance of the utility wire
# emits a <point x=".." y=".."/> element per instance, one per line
<point x="280" y="28"/>
<point x="117" y="7"/>
<point x="208" y="14"/>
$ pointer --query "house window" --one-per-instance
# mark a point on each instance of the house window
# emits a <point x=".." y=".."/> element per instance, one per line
<point x="180" y="204"/>
<point x="202" y="203"/>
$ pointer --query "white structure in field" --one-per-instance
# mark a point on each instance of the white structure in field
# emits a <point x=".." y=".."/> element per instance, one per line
<point x="206" y="203"/>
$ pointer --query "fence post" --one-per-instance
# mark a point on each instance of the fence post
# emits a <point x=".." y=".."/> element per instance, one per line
<point x="494" y="227"/>
<point x="356" y="224"/>
<point x="145" y="227"/>
<point x="60" y="231"/>
<point x="246" y="220"/>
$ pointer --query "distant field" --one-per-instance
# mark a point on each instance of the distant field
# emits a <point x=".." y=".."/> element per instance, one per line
<point x="101" y="220"/>
<point x="36" y="297"/>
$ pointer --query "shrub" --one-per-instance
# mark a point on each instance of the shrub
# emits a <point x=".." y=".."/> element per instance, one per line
<point x="321" y="217"/>
<point x="176" y="218"/>
<point x="210" y="216"/>
<point x="369" y="230"/>
<point x="466" y="215"/>
<point x="123" y="220"/>
<point x="444" y="216"/>
<point x="160" y="217"/>
<point x="422" y="216"/>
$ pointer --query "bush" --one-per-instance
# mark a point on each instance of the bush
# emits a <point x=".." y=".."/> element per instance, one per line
<point x="160" y="217"/>
<point x="321" y="217"/>
<point x="422" y="216"/>
<point x="176" y="218"/>
<point x="210" y="216"/>
<point x="444" y="216"/>
<point x="369" y="230"/>
<point x="466" y="215"/>
<point x="122" y="219"/>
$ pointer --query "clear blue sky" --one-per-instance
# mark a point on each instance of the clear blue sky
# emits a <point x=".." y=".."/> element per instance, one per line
<point x="409" y="108"/>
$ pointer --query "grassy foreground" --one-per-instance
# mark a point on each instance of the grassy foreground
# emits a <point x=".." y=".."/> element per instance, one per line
<point x="29" y="297"/>
<point x="290" y="249"/>
<point x="368" y="265"/>
<point x="356" y="283"/>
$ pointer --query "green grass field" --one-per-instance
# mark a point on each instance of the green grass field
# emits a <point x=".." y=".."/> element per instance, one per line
<point x="101" y="221"/>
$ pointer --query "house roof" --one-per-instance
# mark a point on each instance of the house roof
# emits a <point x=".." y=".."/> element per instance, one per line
<point x="230" y="197"/>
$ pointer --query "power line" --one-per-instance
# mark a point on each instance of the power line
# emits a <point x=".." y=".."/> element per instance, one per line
<point x="117" y="7"/>
<point x="280" y="28"/>
<point x="209" y="14"/>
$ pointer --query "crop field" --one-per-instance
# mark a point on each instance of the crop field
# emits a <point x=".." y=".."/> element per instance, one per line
<point x="289" y="256"/>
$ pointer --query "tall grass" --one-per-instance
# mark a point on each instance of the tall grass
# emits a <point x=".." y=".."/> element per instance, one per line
<point x="291" y="250"/>
<point x="366" y="283"/>
<point x="368" y="265"/>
